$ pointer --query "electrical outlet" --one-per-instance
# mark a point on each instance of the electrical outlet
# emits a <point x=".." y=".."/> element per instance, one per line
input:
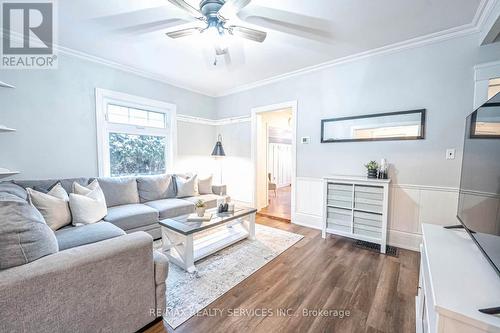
<point x="450" y="154"/>
<point x="305" y="140"/>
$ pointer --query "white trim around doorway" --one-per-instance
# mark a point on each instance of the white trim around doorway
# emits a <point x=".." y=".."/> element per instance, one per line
<point x="293" y="105"/>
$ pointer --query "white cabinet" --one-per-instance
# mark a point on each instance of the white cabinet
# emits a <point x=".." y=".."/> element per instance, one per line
<point x="455" y="282"/>
<point x="357" y="207"/>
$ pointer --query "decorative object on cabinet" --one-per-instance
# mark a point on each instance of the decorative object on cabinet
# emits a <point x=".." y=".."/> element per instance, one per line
<point x="357" y="207"/>
<point x="405" y="125"/>
<point x="383" y="170"/>
<point x="372" y="168"/>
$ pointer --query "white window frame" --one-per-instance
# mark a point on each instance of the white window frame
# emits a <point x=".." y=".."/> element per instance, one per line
<point x="104" y="98"/>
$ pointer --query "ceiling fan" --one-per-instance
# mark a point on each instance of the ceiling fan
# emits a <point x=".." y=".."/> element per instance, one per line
<point x="215" y="15"/>
<point x="215" y="20"/>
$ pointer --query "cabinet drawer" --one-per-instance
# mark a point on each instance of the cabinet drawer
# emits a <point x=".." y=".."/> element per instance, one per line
<point x="370" y="189"/>
<point x="370" y="207"/>
<point x="339" y="187"/>
<point x="340" y="203"/>
<point x="339" y="227"/>
<point x="370" y="196"/>
<point x="344" y="216"/>
<point x="360" y="231"/>
<point x="367" y="221"/>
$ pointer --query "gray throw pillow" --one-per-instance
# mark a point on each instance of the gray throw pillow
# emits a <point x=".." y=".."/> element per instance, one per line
<point x="119" y="191"/>
<point x="205" y="185"/>
<point x="187" y="187"/>
<point x="24" y="235"/>
<point x="155" y="187"/>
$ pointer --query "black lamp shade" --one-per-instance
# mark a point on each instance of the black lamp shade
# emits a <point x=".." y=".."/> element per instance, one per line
<point x="218" y="149"/>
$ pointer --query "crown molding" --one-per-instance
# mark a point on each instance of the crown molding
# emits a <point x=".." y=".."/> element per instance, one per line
<point x="482" y="13"/>
<point x="115" y="65"/>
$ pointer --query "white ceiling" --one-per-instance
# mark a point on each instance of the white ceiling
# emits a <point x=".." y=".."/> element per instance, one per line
<point x="122" y="31"/>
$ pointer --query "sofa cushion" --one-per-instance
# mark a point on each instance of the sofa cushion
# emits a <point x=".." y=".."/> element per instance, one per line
<point x="169" y="208"/>
<point x="155" y="187"/>
<point x="14" y="189"/>
<point x="91" y="233"/>
<point x="47" y="184"/>
<point x="186" y="187"/>
<point x="24" y="235"/>
<point x="210" y="199"/>
<point x="131" y="216"/>
<point x="119" y="191"/>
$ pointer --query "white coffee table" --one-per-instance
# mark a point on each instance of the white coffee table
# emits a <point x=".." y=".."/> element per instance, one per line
<point x="185" y="242"/>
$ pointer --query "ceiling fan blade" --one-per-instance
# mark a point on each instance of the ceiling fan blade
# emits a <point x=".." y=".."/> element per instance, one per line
<point x="231" y="7"/>
<point x="289" y="23"/>
<point x="150" y="27"/>
<point x="183" y="32"/>
<point x="187" y="8"/>
<point x="248" y="33"/>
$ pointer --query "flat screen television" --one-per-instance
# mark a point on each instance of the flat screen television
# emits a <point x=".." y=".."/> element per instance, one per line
<point x="479" y="198"/>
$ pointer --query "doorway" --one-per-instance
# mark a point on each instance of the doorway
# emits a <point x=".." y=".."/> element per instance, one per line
<point x="273" y="141"/>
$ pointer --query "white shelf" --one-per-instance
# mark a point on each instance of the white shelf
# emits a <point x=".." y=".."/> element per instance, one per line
<point x="6" y="85"/>
<point x="6" y="129"/>
<point x="4" y="174"/>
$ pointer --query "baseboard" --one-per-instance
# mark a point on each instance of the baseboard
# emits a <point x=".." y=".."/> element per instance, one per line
<point x="307" y="220"/>
<point x="404" y="240"/>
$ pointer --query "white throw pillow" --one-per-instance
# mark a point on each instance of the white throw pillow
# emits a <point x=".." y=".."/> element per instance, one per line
<point x="187" y="187"/>
<point x="53" y="205"/>
<point x="205" y="185"/>
<point x="87" y="203"/>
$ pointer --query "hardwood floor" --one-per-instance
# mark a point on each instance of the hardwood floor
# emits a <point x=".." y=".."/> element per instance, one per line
<point x="313" y="275"/>
<point x="280" y="205"/>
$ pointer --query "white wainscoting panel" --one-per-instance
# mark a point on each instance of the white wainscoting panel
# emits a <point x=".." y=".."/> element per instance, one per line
<point x="410" y="206"/>
<point x="308" y="202"/>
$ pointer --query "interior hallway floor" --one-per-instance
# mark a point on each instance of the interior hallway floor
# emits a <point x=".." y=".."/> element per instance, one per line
<point x="279" y="204"/>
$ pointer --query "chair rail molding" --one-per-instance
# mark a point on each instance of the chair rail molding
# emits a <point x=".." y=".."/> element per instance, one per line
<point x="410" y="206"/>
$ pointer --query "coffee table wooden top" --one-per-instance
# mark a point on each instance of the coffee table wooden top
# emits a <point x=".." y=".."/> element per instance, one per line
<point x="182" y="226"/>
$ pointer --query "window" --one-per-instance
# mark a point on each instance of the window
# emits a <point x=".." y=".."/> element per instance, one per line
<point x="135" y="135"/>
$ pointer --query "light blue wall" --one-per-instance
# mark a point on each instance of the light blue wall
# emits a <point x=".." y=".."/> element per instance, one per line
<point x="438" y="77"/>
<point x="54" y="114"/>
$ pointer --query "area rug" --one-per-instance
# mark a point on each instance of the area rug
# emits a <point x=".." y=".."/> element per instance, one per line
<point x="187" y="293"/>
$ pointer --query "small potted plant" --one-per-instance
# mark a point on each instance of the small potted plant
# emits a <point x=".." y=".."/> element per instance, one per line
<point x="372" y="168"/>
<point x="200" y="206"/>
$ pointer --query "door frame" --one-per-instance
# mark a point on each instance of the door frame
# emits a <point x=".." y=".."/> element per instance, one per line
<point x="482" y="75"/>
<point x="293" y="105"/>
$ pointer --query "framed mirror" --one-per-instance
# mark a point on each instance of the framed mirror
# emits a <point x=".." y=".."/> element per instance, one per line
<point x="485" y="121"/>
<point x="404" y="125"/>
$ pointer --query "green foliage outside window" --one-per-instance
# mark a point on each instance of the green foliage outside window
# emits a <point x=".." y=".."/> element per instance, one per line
<point x="136" y="154"/>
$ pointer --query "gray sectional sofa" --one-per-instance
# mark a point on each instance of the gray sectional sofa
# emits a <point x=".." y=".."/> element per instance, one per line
<point x="97" y="277"/>
<point x="129" y="200"/>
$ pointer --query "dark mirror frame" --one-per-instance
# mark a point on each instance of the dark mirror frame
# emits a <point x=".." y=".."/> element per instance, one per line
<point x="473" y="134"/>
<point x="422" y="113"/>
